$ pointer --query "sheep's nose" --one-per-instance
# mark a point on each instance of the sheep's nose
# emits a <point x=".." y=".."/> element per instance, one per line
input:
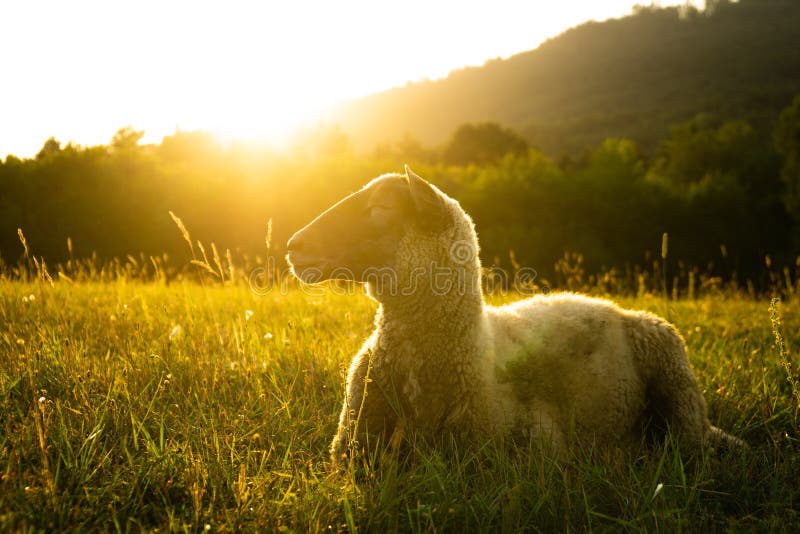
<point x="296" y="242"/>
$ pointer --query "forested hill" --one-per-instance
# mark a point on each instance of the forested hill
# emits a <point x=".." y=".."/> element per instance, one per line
<point x="632" y="77"/>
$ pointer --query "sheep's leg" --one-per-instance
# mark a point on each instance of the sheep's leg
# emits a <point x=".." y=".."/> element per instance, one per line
<point x="679" y="403"/>
<point x="676" y="400"/>
<point x="683" y="409"/>
<point x="366" y="417"/>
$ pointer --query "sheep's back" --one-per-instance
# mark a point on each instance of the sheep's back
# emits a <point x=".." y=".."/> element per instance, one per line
<point x="566" y="358"/>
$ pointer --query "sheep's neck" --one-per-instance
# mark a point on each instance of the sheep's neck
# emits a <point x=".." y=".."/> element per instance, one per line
<point x="437" y="308"/>
<point x="423" y="318"/>
<point x="428" y="353"/>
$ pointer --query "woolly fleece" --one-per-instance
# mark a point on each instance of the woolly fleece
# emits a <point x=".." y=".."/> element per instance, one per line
<point x="441" y="362"/>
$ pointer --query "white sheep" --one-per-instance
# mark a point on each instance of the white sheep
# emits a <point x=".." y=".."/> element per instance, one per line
<point x="442" y="362"/>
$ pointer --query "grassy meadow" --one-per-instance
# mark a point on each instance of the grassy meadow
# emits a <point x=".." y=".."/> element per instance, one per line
<point x="177" y="391"/>
<point x="185" y="406"/>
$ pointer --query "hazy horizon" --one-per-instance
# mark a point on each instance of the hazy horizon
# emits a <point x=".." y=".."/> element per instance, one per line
<point x="245" y="72"/>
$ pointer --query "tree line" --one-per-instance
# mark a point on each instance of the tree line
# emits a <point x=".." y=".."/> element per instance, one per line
<point x="728" y="197"/>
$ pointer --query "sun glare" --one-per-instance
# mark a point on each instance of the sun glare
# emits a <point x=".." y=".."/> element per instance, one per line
<point x="269" y="122"/>
<point x="245" y="69"/>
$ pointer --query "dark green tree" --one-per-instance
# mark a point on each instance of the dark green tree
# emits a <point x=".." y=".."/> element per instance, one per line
<point x="726" y="176"/>
<point x="482" y="144"/>
<point x="700" y="151"/>
<point x="126" y="138"/>
<point x="787" y="143"/>
<point x="50" y="147"/>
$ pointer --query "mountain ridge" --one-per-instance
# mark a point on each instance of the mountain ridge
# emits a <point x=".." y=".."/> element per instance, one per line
<point x="633" y="77"/>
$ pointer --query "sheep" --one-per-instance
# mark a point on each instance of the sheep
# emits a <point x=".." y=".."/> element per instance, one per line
<point x="442" y="362"/>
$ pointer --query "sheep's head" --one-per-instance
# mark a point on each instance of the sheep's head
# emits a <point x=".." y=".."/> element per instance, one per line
<point x="358" y="237"/>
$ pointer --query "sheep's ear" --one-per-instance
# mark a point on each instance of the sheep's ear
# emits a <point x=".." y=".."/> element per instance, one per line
<point x="428" y="202"/>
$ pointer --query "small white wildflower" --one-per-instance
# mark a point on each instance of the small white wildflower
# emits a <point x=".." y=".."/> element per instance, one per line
<point x="658" y="489"/>
<point x="207" y="527"/>
<point x="25" y="299"/>
<point x="268" y="335"/>
<point x="31" y="297"/>
<point x="176" y="331"/>
<point x="42" y="400"/>
<point x="248" y="314"/>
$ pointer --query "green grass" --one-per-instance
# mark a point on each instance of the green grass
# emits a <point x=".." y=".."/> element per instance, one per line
<point x="112" y="418"/>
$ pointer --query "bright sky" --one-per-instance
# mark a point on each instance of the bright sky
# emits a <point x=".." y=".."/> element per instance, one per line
<point x="79" y="70"/>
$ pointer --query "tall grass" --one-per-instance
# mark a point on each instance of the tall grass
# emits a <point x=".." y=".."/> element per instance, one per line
<point x="783" y="351"/>
<point x="113" y="418"/>
<point x="133" y="397"/>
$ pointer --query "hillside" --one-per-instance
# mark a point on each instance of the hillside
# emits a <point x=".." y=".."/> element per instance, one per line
<point x="631" y="77"/>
